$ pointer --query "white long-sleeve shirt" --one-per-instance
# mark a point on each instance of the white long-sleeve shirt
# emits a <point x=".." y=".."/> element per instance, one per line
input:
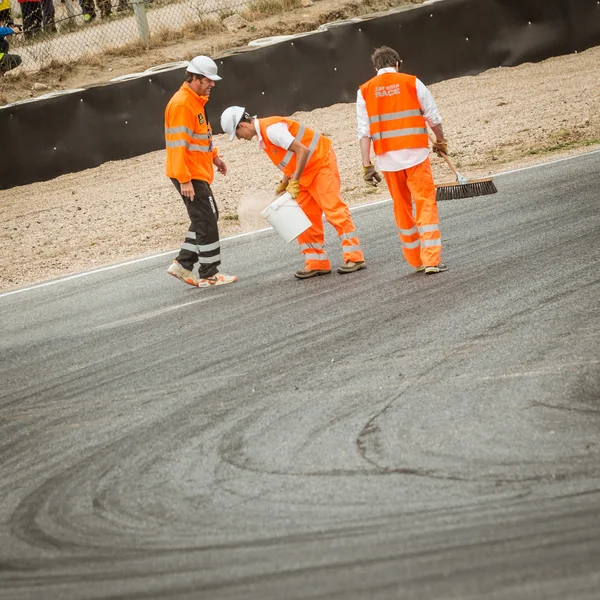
<point x="397" y="160"/>
<point x="278" y="134"/>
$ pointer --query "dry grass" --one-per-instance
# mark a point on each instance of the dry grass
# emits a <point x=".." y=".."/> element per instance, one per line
<point x="565" y="139"/>
<point x="273" y="7"/>
<point x="204" y="27"/>
<point x="136" y="48"/>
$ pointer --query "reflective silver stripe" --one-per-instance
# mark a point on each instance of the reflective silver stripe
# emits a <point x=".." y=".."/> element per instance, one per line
<point x="315" y="256"/>
<point x="290" y="153"/>
<point x="209" y="247"/>
<point x="351" y="248"/>
<point x="183" y="129"/>
<point x="311" y="149"/>
<point x="191" y="235"/>
<point x="313" y="145"/>
<point x="209" y="259"/>
<point x="190" y="147"/>
<point x="311" y="246"/>
<point x="429" y="243"/>
<point x="399" y="133"/>
<point x="197" y="249"/>
<point x="427" y="228"/>
<point x="347" y="236"/>
<point x="410" y="244"/>
<point x="176" y="143"/>
<point x="404" y="114"/>
<point x="407" y="232"/>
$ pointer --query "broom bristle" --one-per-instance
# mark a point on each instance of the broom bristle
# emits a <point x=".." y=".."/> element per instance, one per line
<point x="456" y="191"/>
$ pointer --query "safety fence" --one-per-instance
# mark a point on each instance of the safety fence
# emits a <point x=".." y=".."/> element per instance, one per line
<point x="72" y="30"/>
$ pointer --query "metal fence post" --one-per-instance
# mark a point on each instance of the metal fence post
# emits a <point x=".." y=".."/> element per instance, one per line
<point x="70" y="9"/>
<point x="139" y="10"/>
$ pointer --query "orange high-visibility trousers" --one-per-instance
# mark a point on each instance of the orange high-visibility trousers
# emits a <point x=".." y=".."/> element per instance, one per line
<point x="323" y="196"/>
<point x="420" y="235"/>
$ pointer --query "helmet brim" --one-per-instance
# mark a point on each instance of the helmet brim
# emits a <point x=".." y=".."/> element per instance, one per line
<point x="211" y="77"/>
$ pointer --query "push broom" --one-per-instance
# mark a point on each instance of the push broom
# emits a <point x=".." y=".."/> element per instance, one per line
<point x="463" y="187"/>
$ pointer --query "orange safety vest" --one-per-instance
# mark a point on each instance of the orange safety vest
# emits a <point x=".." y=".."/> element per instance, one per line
<point x="395" y="116"/>
<point x="317" y="144"/>
<point x="188" y="136"/>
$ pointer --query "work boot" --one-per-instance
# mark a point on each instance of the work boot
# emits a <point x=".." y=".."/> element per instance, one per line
<point x="350" y="267"/>
<point x="178" y="271"/>
<point x="420" y="269"/>
<point x="308" y="273"/>
<point x="437" y="269"/>
<point x="218" y="279"/>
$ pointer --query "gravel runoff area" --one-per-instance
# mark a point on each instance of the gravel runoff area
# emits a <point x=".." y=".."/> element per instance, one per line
<point x="496" y="121"/>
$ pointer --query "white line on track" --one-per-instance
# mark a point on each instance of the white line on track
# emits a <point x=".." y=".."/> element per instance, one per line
<point x="240" y="235"/>
<point x="154" y="313"/>
<point x="552" y="162"/>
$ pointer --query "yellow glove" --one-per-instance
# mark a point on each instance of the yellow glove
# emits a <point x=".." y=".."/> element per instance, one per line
<point x="281" y="187"/>
<point x="370" y="175"/>
<point x="293" y="188"/>
<point x="440" y="146"/>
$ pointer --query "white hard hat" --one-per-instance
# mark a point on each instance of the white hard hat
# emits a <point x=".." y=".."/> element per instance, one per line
<point x="230" y="119"/>
<point x="203" y="65"/>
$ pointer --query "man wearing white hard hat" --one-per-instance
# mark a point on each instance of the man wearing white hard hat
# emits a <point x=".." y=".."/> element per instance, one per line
<point x="191" y="158"/>
<point x="311" y="176"/>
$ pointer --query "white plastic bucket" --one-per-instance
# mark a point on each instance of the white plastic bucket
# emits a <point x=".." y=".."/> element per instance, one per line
<point x="286" y="217"/>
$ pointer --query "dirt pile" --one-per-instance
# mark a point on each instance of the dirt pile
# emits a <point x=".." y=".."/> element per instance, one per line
<point x="501" y="119"/>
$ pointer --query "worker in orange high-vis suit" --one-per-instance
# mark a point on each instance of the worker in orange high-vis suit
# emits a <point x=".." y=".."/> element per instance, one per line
<point x="311" y="176"/>
<point x="393" y="110"/>
<point x="191" y="158"/>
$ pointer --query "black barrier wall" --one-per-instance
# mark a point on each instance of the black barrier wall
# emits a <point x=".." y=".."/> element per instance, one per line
<point x="446" y="39"/>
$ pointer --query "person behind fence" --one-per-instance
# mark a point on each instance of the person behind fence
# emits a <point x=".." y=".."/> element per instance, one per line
<point x="32" y="16"/>
<point x="311" y="176"/>
<point x="7" y="61"/>
<point x="5" y="14"/>
<point x="392" y="111"/>
<point x="48" y="14"/>
<point x="191" y="158"/>
<point x="89" y="10"/>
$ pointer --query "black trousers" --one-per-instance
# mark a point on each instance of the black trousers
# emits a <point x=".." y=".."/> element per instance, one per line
<point x="32" y="17"/>
<point x="88" y="8"/>
<point x="201" y="243"/>
<point x="8" y="62"/>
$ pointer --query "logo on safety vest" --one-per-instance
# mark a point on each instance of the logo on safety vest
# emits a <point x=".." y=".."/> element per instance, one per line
<point x="200" y="119"/>
<point x="387" y="90"/>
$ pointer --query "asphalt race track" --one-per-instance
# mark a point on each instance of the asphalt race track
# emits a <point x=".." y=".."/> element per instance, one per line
<point x="378" y="435"/>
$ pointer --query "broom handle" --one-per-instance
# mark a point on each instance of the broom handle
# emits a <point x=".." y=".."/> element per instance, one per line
<point x="450" y="164"/>
<point x="459" y="177"/>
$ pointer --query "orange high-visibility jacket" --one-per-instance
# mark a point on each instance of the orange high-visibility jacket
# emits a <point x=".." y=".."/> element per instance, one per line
<point x="395" y="116"/>
<point x="318" y="145"/>
<point x="188" y="136"/>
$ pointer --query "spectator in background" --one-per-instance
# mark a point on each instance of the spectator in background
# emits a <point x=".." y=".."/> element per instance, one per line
<point x="89" y="10"/>
<point x="7" y="61"/>
<point x="32" y="16"/>
<point x="5" y="16"/>
<point x="48" y="16"/>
